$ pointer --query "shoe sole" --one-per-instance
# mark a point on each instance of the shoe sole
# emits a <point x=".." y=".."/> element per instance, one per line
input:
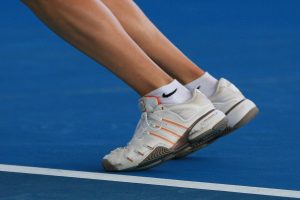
<point x="203" y="140"/>
<point x="248" y="115"/>
<point x="162" y="154"/>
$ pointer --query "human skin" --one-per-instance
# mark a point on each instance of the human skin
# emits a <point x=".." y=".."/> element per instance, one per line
<point x="153" y="42"/>
<point x="92" y="28"/>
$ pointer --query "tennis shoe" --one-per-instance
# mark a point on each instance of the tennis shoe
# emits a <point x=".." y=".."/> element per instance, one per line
<point x="238" y="109"/>
<point x="164" y="130"/>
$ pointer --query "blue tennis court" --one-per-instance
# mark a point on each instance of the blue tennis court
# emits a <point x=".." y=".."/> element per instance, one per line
<point x="60" y="110"/>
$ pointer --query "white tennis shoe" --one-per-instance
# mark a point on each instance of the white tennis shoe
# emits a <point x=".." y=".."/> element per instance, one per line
<point x="166" y="129"/>
<point x="238" y="109"/>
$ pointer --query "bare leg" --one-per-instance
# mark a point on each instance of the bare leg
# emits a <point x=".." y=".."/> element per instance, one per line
<point x="91" y="27"/>
<point x="153" y="42"/>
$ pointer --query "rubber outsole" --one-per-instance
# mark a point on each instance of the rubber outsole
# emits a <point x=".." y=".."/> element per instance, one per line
<point x="156" y="157"/>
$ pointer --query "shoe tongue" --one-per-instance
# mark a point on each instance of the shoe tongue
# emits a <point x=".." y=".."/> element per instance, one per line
<point x="148" y="103"/>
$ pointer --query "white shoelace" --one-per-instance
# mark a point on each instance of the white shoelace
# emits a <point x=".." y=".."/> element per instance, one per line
<point x="153" y="122"/>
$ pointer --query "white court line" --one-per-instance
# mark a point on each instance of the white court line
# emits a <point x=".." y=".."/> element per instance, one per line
<point x="151" y="181"/>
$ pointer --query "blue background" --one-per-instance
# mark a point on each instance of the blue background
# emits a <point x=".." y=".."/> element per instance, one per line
<point x="59" y="109"/>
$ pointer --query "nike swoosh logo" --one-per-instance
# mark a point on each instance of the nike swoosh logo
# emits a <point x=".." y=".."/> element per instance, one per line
<point x="170" y="94"/>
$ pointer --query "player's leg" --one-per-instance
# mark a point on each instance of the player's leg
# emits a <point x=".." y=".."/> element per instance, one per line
<point x="222" y="93"/>
<point x="172" y="115"/>
<point x="153" y="42"/>
<point x="92" y="28"/>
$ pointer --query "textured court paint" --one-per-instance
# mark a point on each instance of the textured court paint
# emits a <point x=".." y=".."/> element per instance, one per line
<point x="150" y="181"/>
<point x="58" y="109"/>
<point x="34" y="187"/>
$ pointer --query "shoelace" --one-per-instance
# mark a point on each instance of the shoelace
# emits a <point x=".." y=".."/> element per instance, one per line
<point x="149" y="118"/>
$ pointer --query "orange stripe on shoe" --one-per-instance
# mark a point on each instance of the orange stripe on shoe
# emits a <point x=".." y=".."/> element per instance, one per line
<point x="154" y="134"/>
<point x="174" y="123"/>
<point x="129" y="159"/>
<point x="173" y="133"/>
<point x="157" y="99"/>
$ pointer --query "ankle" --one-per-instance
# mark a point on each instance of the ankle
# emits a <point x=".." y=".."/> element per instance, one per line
<point x="172" y="93"/>
<point x="206" y="83"/>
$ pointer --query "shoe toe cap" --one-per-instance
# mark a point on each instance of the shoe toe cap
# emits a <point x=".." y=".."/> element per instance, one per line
<point x="108" y="166"/>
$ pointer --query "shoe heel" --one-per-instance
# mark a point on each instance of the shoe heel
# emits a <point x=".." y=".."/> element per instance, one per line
<point x="242" y="114"/>
<point x="211" y="125"/>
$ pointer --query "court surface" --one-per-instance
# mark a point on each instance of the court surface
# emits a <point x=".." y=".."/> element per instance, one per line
<point x="60" y="113"/>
